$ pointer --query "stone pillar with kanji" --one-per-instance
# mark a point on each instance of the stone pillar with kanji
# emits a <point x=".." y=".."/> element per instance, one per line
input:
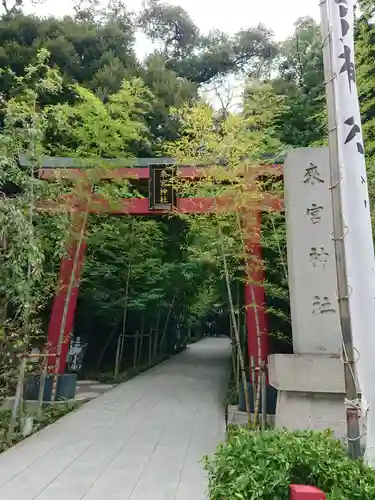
<point x="310" y="382"/>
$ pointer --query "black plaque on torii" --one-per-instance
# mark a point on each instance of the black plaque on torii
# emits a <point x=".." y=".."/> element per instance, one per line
<point x="162" y="194"/>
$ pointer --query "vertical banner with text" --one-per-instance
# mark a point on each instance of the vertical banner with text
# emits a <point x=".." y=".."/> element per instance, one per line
<point x="357" y="237"/>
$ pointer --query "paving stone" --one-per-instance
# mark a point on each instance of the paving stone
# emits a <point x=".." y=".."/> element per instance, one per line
<point x="142" y="440"/>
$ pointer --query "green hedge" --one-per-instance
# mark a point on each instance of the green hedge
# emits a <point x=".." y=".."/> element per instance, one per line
<point x="253" y="465"/>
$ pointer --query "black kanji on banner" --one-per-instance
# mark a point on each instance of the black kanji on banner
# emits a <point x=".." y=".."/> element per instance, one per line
<point x="355" y="129"/>
<point x="343" y="9"/>
<point x="348" y="65"/>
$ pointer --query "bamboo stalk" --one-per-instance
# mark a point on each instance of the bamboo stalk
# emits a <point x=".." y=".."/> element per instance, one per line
<point x="243" y="347"/>
<point x="232" y="312"/>
<point x="39" y="355"/>
<point x="257" y="369"/>
<point x="26" y="312"/>
<point x="130" y="260"/>
<point x="17" y="400"/>
<point x="42" y="385"/>
<point x="135" y="349"/>
<point x="238" y="371"/>
<point x="252" y="367"/>
<point x="263" y="383"/>
<point x="121" y="339"/>
<point x="150" y="348"/>
<point x="234" y="350"/>
<point x="4" y="338"/>
<point x="238" y="308"/>
<point x="117" y="360"/>
<point x="156" y="336"/>
<point x="141" y="342"/>
<point x="108" y="341"/>
<point x="55" y="378"/>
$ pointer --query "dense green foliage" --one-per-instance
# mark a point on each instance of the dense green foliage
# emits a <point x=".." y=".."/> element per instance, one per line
<point x="253" y="465"/>
<point x="301" y="80"/>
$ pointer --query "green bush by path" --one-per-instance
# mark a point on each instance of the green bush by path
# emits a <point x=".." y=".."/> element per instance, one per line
<point x="50" y="414"/>
<point x="253" y="465"/>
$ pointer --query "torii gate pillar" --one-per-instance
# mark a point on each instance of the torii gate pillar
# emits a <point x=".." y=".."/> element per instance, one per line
<point x="255" y="299"/>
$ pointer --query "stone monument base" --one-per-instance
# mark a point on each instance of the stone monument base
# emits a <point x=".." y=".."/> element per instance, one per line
<point x="311" y="392"/>
<point x="239" y="418"/>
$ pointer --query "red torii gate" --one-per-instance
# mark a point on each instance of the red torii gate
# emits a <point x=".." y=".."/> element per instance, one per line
<point x="72" y="264"/>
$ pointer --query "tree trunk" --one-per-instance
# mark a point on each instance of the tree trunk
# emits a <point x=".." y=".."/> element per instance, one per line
<point x="150" y="347"/>
<point x="108" y="341"/>
<point x="122" y="341"/>
<point x="156" y="336"/>
<point x="166" y="325"/>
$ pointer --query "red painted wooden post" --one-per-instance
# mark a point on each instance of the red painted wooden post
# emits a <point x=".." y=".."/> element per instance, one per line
<point x="256" y="317"/>
<point x="69" y="278"/>
<point x="301" y="492"/>
<point x="66" y="274"/>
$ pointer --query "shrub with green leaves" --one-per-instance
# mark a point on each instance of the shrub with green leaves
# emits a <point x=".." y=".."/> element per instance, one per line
<point x="253" y="465"/>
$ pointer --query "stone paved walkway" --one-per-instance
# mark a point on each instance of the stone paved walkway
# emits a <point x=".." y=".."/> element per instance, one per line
<point x="91" y="389"/>
<point x="140" y="441"/>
